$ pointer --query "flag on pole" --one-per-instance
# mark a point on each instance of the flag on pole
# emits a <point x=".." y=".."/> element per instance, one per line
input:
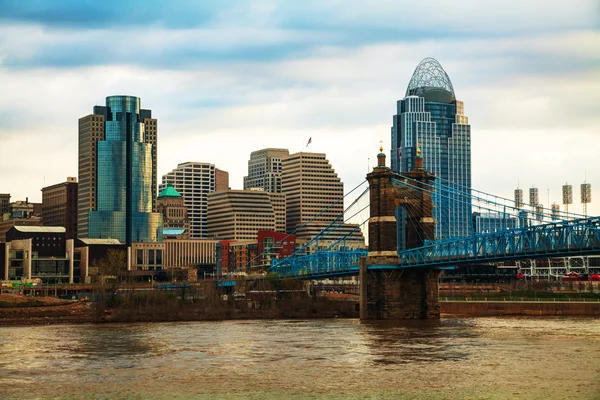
<point x="309" y="141"/>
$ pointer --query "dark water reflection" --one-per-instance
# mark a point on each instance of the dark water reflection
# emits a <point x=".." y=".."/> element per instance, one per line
<point x="405" y="342"/>
<point x="450" y="358"/>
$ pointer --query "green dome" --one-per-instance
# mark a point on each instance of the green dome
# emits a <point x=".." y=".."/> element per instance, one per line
<point x="169" y="191"/>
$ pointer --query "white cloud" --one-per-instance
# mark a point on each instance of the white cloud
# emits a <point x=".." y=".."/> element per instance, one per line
<point x="530" y="99"/>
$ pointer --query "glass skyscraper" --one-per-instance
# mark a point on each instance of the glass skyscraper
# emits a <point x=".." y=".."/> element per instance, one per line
<point x="125" y="174"/>
<point x="430" y="118"/>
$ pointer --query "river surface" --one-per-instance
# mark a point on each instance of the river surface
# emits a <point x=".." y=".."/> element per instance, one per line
<point x="491" y="358"/>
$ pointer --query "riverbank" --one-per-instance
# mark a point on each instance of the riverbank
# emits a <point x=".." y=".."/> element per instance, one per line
<point x="20" y="310"/>
<point x="528" y="308"/>
<point x="17" y="310"/>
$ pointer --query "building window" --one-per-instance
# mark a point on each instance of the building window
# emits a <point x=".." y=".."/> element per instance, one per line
<point x="151" y="257"/>
<point x="140" y="257"/>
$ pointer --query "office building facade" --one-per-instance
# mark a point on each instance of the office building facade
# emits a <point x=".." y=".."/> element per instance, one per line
<point x="240" y="214"/>
<point x="59" y="206"/>
<point x="4" y="204"/>
<point x="117" y="167"/>
<point x="314" y="200"/>
<point x="194" y="181"/>
<point x="430" y="118"/>
<point x="264" y="170"/>
<point x="176" y="223"/>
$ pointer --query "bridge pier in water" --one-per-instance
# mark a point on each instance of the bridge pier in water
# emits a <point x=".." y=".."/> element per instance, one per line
<point x="398" y="294"/>
<point x="386" y="291"/>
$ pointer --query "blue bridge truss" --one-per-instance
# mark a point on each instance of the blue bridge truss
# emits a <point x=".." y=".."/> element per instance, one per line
<point x="558" y="239"/>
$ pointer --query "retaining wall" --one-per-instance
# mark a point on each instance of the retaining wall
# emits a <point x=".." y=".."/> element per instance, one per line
<point x="497" y="308"/>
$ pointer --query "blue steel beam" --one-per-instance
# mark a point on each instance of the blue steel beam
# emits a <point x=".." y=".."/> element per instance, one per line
<point x="560" y="239"/>
<point x="319" y="265"/>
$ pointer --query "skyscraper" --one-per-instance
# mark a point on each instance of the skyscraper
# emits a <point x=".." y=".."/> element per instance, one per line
<point x="430" y="118"/>
<point x="264" y="170"/>
<point x="117" y="173"/>
<point x="59" y="206"/>
<point x="314" y="198"/>
<point x="195" y="180"/>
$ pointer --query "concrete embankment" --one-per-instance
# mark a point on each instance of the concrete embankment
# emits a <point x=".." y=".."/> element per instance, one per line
<point x="500" y="308"/>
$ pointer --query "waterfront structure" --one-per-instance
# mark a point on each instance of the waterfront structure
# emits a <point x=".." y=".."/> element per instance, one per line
<point x="148" y="256"/>
<point x="59" y="206"/>
<point x="36" y="252"/>
<point x="240" y="214"/>
<point x="274" y="245"/>
<point x="430" y="118"/>
<point x="174" y="213"/>
<point x="117" y="173"/>
<point x="192" y="253"/>
<point x="237" y="257"/>
<point x="264" y="170"/>
<point x="314" y="198"/>
<point x="90" y="255"/>
<point x="194" y="181"/>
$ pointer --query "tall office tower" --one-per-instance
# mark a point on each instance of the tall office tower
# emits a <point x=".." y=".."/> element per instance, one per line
<point x="59" y="206"/>
<point x="4" y="204"/>
<point x="314" y="198"/>
<point x="195" y="180"/>
<point x="430" y="118"/>
<point x="240" y="214"/>
<point x="91" y="131"/>
<point x="264" y="170"/>
<point x="117" y="168"/>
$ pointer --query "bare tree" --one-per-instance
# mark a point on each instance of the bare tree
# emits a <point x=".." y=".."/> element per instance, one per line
<point x="115" y="263"/>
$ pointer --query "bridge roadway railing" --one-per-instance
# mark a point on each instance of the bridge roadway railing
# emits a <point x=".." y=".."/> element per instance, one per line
<point x="559" y="239"/>
<point x="322" y="264"/>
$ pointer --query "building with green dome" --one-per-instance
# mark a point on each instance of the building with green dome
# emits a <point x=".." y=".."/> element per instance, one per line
<point x="170" y="204"/>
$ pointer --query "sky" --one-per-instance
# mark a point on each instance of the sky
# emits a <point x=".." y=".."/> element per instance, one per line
<point x="225" y="78"/>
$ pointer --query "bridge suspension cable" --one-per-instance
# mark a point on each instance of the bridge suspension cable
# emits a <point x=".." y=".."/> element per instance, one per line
<point x="491" y="216"/>
<point x="319" y="214"/>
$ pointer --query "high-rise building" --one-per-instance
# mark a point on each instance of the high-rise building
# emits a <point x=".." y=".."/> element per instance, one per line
<point x="175" y="216"/>
<point x="117" y="173"/>
<point x="264" y="170"/>
<point x="4" y="204"/>
<point x="430" y="118"/>
<point x="59" y="206"/>
<point x="195" y="180"/>
<point x="240" y="214"/>
<point x="314" y="199"/>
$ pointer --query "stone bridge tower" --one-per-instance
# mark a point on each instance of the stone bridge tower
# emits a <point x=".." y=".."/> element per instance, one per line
<point x="387" y="292"/>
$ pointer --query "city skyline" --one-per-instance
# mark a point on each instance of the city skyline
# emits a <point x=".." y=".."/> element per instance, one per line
<point x="223" y="85"/>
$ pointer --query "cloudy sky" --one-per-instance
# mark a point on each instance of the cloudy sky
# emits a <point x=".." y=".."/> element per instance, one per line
<point x="225" y="78"/>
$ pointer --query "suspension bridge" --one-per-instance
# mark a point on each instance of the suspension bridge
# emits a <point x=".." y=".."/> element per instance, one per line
<point x="413" y="234"/>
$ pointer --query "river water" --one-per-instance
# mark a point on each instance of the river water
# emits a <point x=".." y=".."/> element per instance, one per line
<point x="468" y="358"/>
